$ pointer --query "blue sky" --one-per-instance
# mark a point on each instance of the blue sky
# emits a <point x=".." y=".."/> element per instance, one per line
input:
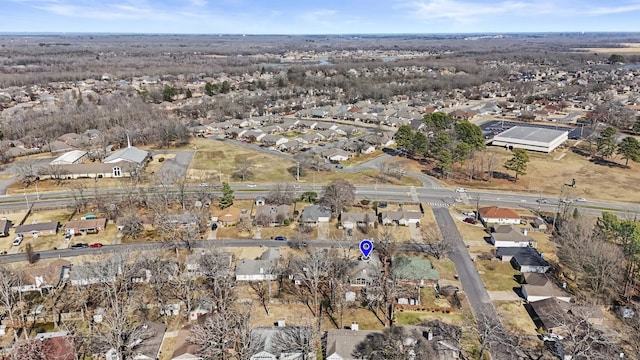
<point x="318" y="17"/>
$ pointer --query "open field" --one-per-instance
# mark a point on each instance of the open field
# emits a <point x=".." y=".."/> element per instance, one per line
<point x="625" y="49"/>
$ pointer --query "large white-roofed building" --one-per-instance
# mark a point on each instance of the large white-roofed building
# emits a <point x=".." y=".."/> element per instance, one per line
<point x="531" y="138"/>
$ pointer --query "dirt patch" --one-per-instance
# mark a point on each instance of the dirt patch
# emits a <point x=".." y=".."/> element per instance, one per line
<point x="626" y="48"/>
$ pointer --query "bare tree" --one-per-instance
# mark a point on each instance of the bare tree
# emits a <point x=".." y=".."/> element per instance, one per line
<point x="396" y="343"/>
<point x="219" y="280"/>
<point x="56" y="173"/>
<point x="263" y="292"/>
<point x="223" y="334"/>
<point x="122" y="328"/>
<point x="33" y="349"/>
<point x="338" y="194"/>
<point x="599" y="265"/>
<point x="9" y="298"/>
<point x="244" y="167"/>
<point x="312" y="270"/>
<point x="281" y="195"/>
<point x="27" y="171"/>
<point x="433" y="243"/>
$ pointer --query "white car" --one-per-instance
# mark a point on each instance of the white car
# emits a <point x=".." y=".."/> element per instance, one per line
<point x="458" y="200"/>
<point x="461" y="190"/>
<point x="297" y="187"/>
<point x="469" y="213"/>
<point x="581" y="200"/>
<point x="251" y="185"/>
<point x="566" y="201"/>
<point x="17" y="241"/>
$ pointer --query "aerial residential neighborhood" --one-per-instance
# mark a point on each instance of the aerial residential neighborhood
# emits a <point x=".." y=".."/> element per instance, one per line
<point x="332" y="197"/>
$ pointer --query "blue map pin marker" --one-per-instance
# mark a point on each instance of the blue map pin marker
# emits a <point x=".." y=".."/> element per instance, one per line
<point x="365" y="247"/>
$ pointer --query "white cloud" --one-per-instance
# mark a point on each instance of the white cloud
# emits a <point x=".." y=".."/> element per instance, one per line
<point x="199" y="3"/>
<point x="462" y="11"/>
<point x="608" y="10"/>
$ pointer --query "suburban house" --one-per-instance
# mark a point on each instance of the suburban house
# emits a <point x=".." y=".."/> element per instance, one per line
<point x="415" y="270"/>
<point x="89" y="226"/>
<point x="282" y="342"/>
<point x="496" y="215"/>
<point x="314" y="214"/>
<point x="145" y="221"/>
<point x="365" y="272"/>
<point x="510" y="236"/>
<point x="336" y="155"/>
<point x="276" y="140"/>
<point x="350" y="220"/>
<point x="57" y="346"/>
<point x="400" y="217"/>
<point x="39" y="229"/>
<point x="529" y="259"/>
<point x="553" y="315"/>
<point x="341" y="343"/>
<point x="71" y="157"/>
<point x="272" y="215"/>
<point x="147" y="348"/>
<point x="183" y="349"/>
<point x="5" y="225"/>
<point x="538" y="286"/>
<point x="265" y="268"/>
<point x="540" y="224"/>
<point x="95" y="273"/>
<point x="45" y="277"/>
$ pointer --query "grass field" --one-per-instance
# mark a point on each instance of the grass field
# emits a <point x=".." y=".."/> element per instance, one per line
<point x="515" y="317"/>
<point x="497" y="275"/>
<point x="626" y="49"/>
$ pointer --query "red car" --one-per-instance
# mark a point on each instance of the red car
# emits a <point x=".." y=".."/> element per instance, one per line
<point x="96" y="245"/>
<point x="470" y="221"/>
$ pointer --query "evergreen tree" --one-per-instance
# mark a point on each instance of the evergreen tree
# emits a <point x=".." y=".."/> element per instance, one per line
<point x="629" y="148"/>
<point x="227" y="197"/>
<point x="518" y="163"/>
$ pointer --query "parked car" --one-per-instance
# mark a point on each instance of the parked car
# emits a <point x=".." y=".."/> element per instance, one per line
<point x="67" y="236"/>
<point x="470" y="221"/>
<point x="339" y="166"/>
<point x="581" y="200"/>
<point x="214" y="226"/>
<point x="280" y="238"/>
<point x="96" y="245"/>
<point x="461" y="190"/>
<point x="469" y="214"/>
<point x="79" y="246"/>
<point x="17" y="241"/>
<point x="542" y="200"/>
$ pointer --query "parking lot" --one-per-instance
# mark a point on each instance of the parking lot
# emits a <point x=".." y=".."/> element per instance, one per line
<point x="494" y="127"/>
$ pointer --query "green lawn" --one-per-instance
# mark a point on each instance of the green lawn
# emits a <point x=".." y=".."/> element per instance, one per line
<point x="497" y="275"/>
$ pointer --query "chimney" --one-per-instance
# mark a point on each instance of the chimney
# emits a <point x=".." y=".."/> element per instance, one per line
<point x="281" y="323"/>
<point x="354" y="326"/>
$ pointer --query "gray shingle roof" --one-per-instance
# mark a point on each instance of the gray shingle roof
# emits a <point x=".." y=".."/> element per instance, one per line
<point x="131" y="154"/>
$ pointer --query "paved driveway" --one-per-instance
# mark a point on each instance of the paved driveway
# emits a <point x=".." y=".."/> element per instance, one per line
<point x="177" y="166"/>
<point x="323" y="231"/>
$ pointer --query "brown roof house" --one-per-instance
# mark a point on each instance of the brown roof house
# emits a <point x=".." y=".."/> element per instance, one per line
<point x="540" y="287"/>
<point x="341" y="343"/>
<point x="39" y="229"/>
<point x="496" y="215"/>
<point x="89" y="226"/>
<point x="57" y="346"/>
<point x="183" y="349"/>
<point x="43" y="277"/>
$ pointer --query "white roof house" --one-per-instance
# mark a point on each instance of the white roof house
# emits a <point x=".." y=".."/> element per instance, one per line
<point x="71" y="157"/>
